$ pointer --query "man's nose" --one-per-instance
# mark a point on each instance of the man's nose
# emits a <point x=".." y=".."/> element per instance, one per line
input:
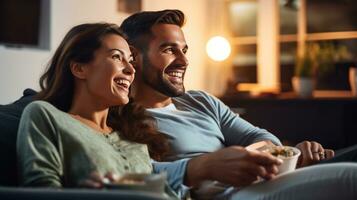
<point x="182" y="59"/>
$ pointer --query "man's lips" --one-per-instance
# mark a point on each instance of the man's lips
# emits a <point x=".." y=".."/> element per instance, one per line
<point x="175" y="76"/>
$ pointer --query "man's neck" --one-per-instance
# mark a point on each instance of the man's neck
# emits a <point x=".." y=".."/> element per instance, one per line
<point x="149" y="97"/>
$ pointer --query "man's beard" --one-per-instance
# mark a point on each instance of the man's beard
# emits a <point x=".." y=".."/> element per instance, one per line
<point x="157" y="81"/>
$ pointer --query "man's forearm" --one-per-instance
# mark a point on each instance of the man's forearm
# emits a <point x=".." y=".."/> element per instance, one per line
<point x="197" y="170"/>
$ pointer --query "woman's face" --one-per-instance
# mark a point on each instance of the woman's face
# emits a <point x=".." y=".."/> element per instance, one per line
<point x="110" y="73"/>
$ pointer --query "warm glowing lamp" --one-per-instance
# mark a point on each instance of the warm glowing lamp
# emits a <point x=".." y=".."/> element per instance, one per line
<point x="218" y="48"/>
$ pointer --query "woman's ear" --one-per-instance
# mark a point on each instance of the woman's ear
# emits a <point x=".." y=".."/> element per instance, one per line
<point x="78" y="70"/>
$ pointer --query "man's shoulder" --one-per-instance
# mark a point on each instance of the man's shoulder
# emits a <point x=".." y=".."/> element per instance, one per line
<point x="199" y="95"/>
<point x="196" y="98"/>
<point x="196" y="94"/>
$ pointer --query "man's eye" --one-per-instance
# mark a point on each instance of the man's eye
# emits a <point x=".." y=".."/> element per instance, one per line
<point x="169" y="50"/>
<point x="184" y="51"/>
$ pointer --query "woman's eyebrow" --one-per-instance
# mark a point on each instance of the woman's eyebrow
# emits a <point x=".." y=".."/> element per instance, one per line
<point x="121" y="52"/>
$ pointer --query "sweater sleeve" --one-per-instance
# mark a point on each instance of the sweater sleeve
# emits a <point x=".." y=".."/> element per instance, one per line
<point x="176" y="171"/>
<point x="236" y="130"/>
<point x="38" y="146"/>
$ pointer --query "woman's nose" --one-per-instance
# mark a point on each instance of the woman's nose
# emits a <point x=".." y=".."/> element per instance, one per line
<point x="129" y="69"/>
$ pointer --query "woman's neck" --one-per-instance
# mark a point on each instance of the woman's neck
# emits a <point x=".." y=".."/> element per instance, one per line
<point x="90" y="112"/>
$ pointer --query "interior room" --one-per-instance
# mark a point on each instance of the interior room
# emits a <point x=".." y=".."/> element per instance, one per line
<point x="261" y="43"/>
<point x="287" y="66"/>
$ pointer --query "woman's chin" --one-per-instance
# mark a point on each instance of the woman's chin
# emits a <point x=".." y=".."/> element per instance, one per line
<point x="121" y="101"/>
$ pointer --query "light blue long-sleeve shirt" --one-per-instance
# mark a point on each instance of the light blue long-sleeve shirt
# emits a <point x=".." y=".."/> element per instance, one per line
<point x="198" y="123"/>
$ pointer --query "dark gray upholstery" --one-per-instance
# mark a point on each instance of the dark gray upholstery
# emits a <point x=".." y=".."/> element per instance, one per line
<point x="10" y="193"/>
<point x="9" y="122"/>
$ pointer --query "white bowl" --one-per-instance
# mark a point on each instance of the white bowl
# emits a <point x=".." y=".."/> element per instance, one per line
<point x="289" y="163"/>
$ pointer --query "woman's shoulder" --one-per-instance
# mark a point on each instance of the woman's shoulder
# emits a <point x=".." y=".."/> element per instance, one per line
<point x="40" y="107"/>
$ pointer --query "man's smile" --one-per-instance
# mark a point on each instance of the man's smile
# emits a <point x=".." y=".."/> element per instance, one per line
<point x="175" y="76"/>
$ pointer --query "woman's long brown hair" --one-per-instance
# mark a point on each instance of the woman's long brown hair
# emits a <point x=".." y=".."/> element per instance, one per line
<point x="57" y="86"/>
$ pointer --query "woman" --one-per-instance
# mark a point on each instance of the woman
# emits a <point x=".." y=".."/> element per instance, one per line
<point x="80" y="131"/>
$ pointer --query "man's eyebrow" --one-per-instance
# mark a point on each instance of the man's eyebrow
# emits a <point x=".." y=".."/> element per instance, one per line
<point x="172" y="44"/>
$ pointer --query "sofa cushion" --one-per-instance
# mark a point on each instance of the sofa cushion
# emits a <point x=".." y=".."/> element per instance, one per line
<point x="10" y="115"/>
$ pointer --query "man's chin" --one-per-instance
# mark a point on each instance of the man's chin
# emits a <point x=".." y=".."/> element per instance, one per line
<point x="168" y="89"/>
<point x="174" y="91"/>
<point x="178" y="93"/>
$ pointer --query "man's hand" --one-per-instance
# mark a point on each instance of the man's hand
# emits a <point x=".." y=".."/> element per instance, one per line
<point x="312" y="152"/>
<point x="95" y="180"/>
<point x="234" y="165"/>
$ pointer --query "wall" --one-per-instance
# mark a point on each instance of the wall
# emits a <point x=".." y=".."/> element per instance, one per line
<point x="21" y="68"/>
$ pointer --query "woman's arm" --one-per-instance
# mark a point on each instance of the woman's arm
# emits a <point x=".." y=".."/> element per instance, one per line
<point x="38" y="147"/>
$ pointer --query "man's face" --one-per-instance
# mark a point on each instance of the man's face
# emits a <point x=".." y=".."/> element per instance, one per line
<point x="164" y="61"/>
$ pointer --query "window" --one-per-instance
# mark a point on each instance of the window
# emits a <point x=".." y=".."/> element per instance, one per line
<point x="326" y="21"/>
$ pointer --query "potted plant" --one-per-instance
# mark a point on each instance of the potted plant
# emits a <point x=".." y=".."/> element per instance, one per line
<point x="318" y="60"/>
<point x="303" y="81"/>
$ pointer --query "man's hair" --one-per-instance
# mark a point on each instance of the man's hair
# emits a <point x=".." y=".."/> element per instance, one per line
<point x="139" y="24"/>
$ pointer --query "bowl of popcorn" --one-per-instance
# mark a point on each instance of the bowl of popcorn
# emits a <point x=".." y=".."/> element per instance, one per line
<point x="289" y="156"/>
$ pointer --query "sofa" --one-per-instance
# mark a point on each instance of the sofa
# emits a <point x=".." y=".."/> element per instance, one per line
<point x="10" y="115"/>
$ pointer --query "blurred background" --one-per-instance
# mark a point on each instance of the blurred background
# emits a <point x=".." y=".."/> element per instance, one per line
<point x="31" y="30"/>
<point x="285" y="65"/>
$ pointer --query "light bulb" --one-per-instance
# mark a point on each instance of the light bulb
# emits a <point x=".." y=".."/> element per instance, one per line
<point x="218" y="48"/>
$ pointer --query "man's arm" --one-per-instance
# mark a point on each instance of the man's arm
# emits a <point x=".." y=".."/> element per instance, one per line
<point x="176" y="171"/>
<point x="236" y="130"/>
<point x="234" y="165"/>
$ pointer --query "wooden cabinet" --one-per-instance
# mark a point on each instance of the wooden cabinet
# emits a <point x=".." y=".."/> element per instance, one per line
<point x="330" y="121"/>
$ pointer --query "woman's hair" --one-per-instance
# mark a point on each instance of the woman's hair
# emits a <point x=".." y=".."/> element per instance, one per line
<point x="57" y="86"/>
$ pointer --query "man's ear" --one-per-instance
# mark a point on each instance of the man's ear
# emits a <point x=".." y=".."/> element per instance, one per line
<point x="78" y="70"/>
<point x="136" y="56"/>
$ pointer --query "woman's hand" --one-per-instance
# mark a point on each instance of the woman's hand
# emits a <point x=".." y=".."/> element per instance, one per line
<point x="96" y="180"/>
<point x="312" y="152"/>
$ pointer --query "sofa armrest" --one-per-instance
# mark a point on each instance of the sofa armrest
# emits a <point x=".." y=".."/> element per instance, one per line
<point x="12" y="193"/>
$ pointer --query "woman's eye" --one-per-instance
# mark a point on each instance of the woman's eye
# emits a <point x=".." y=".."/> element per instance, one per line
<point x="116" y="57"/>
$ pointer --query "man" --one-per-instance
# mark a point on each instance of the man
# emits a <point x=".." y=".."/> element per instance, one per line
<point x="199" y="126"/>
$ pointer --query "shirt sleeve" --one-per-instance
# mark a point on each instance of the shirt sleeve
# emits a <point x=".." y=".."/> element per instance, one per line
<point x="175" y="174"/>
<point x="37" y="149"/>
<point x="236" y="130"/>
